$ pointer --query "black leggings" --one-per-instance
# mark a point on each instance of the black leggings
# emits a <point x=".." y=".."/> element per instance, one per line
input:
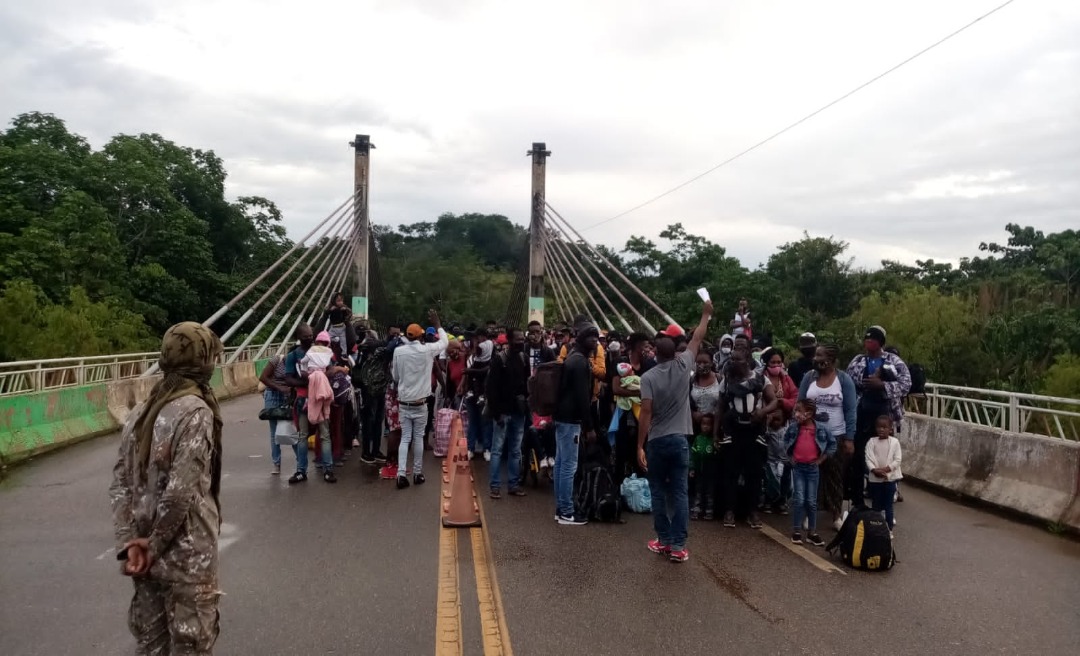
<point x="743" y="456"/>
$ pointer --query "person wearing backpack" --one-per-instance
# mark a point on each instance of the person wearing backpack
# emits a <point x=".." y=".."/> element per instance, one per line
<point x="573" y="419"/>
<point x="746" y="400"/>
<point x="664" y="430"/>
<point x="507" y="394"/>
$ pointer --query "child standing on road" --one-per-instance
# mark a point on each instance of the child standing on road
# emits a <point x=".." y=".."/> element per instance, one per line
<point x="808" y="443"/>
<point x="883" y="463"/>
<point x="703" y="470"/>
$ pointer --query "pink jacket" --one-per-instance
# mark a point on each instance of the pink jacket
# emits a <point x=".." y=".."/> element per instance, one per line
<point x="320" y="394"/>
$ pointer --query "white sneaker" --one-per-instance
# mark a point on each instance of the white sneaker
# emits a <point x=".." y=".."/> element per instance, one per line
<point x="487" y="455"/>
<point x="837" y="524"/>
<point x="551" y="462"/>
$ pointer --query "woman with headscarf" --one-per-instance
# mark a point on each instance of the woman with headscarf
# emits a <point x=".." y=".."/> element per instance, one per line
<point x="166" y="498"/>
<point x="833" y="392"/>
<point x="481" y="427"/>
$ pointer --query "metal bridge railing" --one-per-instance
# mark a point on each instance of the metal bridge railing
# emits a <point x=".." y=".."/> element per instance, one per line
<point x="1049" y="416"/>
<point x="26" y="376"/>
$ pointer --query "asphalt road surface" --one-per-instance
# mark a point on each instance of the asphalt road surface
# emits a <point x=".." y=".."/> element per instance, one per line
<point x="363" y="568"/>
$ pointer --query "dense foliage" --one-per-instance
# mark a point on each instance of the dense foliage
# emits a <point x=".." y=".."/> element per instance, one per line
<point x="100" y="250"/>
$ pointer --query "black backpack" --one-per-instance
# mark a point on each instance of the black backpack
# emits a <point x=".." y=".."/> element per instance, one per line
<point x="864" y="541"/>
<point x="597" y="497"/>
<point x="918" y="379"/>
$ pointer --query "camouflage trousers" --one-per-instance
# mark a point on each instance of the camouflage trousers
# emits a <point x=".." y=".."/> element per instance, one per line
<point x="174" y="619"/>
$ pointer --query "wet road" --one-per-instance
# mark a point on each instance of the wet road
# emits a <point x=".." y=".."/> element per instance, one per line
<point x="362" y="568"/>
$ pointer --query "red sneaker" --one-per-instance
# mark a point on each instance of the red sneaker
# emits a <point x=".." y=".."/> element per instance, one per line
<point x="657" y="548"/>
<point x="388" y="472"/>
<point x="680" y="556"/>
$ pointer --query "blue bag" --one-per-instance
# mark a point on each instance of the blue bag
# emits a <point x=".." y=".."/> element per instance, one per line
<point x="636" y="495"/>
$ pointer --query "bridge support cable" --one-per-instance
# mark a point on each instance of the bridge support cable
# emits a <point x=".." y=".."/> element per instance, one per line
<point x="600" y="256"/>
<point x="315" y="298"/>
<point x="340" y="229"/>
<point x="563" y="309"/>
<point x="337" y="281"/>
<point x="563" y="252"/>
<point x="567" y="309"/>
<point x="563" y="264"/>
<point x="254" y="283"/>
<point x="585" y="257"/>
<point x="515" y="308"/>
<point x="329" y="255"/>
<point x="381" y="313"/>
<point x="574" y="301"/>
<point x="341" y="260"/>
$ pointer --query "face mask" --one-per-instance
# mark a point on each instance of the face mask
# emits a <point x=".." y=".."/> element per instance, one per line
<point x="517" y="348"/>
<point x="704" y="368"/>
<point x="726" y="350"/>
<point x="808" y="352"/>
<point x="776" y="369"/>
<point x="821" y="365"/>
<point x="306" y="343"/>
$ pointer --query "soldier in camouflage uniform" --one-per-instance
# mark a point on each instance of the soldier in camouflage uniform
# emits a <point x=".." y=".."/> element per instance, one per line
<point x="165" y="504"/>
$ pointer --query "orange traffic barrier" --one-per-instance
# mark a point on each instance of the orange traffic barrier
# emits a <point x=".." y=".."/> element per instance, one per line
<point x="460" y="507"/>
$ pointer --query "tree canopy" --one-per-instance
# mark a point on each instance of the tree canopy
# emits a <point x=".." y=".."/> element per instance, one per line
<point x="101" y="250"/>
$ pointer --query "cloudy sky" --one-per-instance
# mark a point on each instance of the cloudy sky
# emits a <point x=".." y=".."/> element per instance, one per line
<point x="632" y="98"/>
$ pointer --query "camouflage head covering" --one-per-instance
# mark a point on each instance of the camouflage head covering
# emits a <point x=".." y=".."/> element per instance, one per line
<point x="189" y="353"/>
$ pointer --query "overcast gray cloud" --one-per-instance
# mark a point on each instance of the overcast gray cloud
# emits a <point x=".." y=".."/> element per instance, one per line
<point x="631" y="97"/>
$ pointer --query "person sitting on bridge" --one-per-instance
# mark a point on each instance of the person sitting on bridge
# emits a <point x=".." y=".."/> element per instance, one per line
<point x="165" y="499"/>
<point x="411" y="371"/>
<point x="665" y="428"/>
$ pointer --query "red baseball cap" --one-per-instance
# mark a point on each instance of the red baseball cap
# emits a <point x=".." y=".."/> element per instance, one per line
<point x="673" y="331"/>
<point x="501" y="339"/>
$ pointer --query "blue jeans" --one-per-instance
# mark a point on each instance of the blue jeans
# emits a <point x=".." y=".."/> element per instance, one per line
<point x="881" y="495"/>
<point x="413" y="420"/>
<point x="669" y="470"/>
<point x="804" y="492"/>
<point x="324" y="443"/>
<point x="567" y="437"/>
<point x="273" y="399"/>
<point x="509" y="434"/>
<point x="481" y="428"/>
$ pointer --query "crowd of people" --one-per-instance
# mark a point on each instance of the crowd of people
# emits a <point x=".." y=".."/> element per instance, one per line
<point x="722" y="429"/>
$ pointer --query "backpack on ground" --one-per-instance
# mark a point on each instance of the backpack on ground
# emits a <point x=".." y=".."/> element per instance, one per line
<point x="544" y="388"/>
<point x="597" y="498"/>
<point x="864" y="541"/>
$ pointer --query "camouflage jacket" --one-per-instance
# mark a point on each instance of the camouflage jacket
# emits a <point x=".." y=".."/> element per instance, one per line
<point x="174" y="507"/>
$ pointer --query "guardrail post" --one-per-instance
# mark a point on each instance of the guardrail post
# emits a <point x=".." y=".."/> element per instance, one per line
<point x="1014" y="414"/>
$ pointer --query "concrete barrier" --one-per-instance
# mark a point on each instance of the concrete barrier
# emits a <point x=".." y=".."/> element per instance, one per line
<point x="35" y="423"/>
<point x="31" y="424"/>
<point x="1034" y="475"/>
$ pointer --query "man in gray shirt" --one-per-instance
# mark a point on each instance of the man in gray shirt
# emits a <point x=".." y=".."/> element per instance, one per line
<point x="664" y="427"/>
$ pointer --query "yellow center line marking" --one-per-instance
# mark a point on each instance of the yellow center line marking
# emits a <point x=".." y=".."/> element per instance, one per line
<point x="493" y="626"/>
<point x="801" y="551"/>
<point x="448" y="604"/>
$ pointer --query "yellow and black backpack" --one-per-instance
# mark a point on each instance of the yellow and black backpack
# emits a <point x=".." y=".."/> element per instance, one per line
<point x="864" y="541"/>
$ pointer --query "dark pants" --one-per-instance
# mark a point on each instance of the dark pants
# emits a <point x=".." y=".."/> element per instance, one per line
<point x="371" y="422"/>
<point x="881" y="495"/>
<point x="669" y="468"/>
<point x="626" y="448"/>
<point x="743" y="456"/>
<point x="865" y="430"/>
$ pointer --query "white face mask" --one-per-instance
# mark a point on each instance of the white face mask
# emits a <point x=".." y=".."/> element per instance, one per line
<point x="726" y="350"/>
<point x="614" y="347"/>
